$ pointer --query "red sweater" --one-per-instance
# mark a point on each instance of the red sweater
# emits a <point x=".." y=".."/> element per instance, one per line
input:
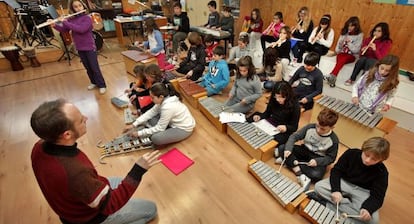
<point x="383" y="48"/>
<point x="72" y="186"/>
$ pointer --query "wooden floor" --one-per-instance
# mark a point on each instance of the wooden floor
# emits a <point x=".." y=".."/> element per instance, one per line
<point x="216" y="189"/>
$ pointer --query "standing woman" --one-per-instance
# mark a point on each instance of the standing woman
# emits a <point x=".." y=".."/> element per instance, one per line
<point x="301" y="32"/>
<point x="169" y="120"/>
<point x="81" y="27"/>
<point x="372" y="52"/>
<point x="321" y="38"/>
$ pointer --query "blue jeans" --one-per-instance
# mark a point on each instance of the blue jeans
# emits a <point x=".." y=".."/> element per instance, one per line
<point x="135" y="211"/>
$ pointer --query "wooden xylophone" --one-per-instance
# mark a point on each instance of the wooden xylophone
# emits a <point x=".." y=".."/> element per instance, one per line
<point x="211" y="108"/>
<point x="252" y="140"/>
<point x="317" y="213"/>
<point x="355" y="125"/>
<point x="191" y="91"/>
<point x="287" y="192"/>
<point x="124" y="144"/>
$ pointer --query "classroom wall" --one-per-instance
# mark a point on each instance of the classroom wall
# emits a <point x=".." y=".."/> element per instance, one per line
<point x="399" y="17"/>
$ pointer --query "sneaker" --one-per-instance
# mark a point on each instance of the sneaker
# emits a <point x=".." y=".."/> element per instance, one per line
<point x="349" y="82"/>
<point x="279" y="160"/>
<point x="304" y="182"/>
<point x="276" y="152"/>
<point x="316" y="197"/>
<point x="102" y="90"/>
<point x="331" y="80"/>
<point x="91" y="86"/>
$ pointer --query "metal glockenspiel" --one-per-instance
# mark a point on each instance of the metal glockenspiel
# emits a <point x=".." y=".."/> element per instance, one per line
<point x="355" y="125"/>
<point x="318" y="213"/>
<point x="211" y="108"/>
<point x="288" y="193"/>
<point x="124" y="144"/>
<point x="252" y="140"/>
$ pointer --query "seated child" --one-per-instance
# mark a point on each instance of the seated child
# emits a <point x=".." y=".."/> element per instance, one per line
<point x="136" y="88"/>
<point x="210" y="44"/>
<point x="358" y="181"/>
<point x="155" y="44"/>
<point x="307" y="81"/>
<point x="170" y="120"/>
<point x="218" y="75"/>
<point x="213" y="16"/>
<point x="152" y="74"/>
<point x="282" y="111"/>
<point x="272" y="68"/>
<point x="319" y="149"/>
<point x="193" y="65"/>
<point x="242" y="49"/>
<point x="226" y="21"/>
<point x="246" y="88"/>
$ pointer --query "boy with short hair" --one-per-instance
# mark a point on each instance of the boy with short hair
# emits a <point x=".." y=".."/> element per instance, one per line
<point x="181" y="24"/>
<point x="358" y="181"/>
<point x="214" y="16"/>
<point x="319" y="149"/>
<point x="307" y="82"/>
<point x="226" y="21"/>
<point x="218" y="75"/>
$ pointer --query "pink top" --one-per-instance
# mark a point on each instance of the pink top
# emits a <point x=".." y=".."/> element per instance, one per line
<point x="275" y="29"/>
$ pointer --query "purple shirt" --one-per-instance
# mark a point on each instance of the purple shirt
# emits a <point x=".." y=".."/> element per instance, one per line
<point x="82" y="35"/>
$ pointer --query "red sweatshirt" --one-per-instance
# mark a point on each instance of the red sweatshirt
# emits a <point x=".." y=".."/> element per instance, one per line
<point x="72" y="186"/>
<point x="383" y="48"/>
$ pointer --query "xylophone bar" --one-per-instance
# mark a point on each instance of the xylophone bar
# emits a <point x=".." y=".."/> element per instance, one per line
<point x="191" y="91"/>
<point x="129" y="118"/>
<point x="211" y="108"/>
<point x="253" y="141"/>
<point x="287" y="192"/>
<point x="355" y="125"/>
<point x="317" y="213"/>
<point x="124" y="144"/>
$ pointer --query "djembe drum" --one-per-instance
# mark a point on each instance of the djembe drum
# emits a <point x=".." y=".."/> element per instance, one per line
<point x="30" y="53"/>
<point x="12" y="54"/>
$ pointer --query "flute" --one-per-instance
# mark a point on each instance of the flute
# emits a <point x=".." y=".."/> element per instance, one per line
<point x="268" y="29"/>
<point x="314" y="38"/>
<point x="294" y="29"/>
<point x="372" y="41"/>
<point x="47" y="23"/>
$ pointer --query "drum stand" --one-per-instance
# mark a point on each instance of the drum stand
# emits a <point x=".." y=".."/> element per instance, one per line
<point x="40" y="37"/>
<point x="66" y="52"/>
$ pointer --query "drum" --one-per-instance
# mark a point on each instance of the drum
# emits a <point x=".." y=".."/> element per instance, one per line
<point x="12" y="54"/>
<point x="97" y="22"/>
<point x="98" y="40"/>
<point x="30" y="53"/>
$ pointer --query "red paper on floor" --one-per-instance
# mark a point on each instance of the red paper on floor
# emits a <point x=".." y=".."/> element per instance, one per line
<point x="176" y="161"/>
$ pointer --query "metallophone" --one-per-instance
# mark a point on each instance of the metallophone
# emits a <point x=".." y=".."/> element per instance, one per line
<point x="124" y="144"/>
<point x="288" y="193"/>
<point x="211" y="108"/>
<point x="252" y="140"/>
<point x="220" y="34"/>
<point x="355" y="125"/>
<point x="129" y="118"/>
<point x="317" y="213"/>
<point x="190" y="91"/>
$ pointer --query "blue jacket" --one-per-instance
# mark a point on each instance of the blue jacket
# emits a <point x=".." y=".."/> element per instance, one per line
<point x="218" y="74"/>
<point x="160" y="43"/>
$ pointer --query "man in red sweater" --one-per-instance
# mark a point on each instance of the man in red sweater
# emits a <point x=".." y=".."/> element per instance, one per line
<point x="68" y="179"/>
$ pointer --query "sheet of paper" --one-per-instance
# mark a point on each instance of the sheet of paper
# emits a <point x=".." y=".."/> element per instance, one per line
<point x="266" y="127"/>
<point x="226" y="117"/>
